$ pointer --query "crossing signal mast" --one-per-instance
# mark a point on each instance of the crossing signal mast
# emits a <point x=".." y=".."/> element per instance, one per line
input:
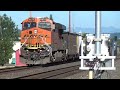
<point x="97" y="62"/>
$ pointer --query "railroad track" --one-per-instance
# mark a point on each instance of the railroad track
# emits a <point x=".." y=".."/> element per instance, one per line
<point x="25" y="67"/>
<point x="7" y="70"/>
<point x="12" y="69"/>
<point x="53" y="74"/>
<point x="4" y="70"/>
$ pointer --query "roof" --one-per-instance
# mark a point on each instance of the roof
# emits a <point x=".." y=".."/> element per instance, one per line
<point x="72" y="33"/>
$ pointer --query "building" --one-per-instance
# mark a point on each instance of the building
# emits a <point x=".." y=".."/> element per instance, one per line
<point x="16" y="46"/>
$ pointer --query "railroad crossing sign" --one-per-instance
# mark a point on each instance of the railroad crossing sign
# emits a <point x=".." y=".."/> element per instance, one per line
<point x="96" y="61"/>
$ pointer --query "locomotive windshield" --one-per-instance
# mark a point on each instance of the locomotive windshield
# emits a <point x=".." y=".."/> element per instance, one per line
<point x="45" y="25"/>
<point x="28" y="25"/>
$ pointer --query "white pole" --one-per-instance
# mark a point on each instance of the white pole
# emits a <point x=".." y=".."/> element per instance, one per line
<point x="91" y="74"/>
<point x="97" y="36"/>
<point x="97" y="31"/>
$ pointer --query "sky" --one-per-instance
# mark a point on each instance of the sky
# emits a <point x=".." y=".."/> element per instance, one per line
<point x="83" y="19"/>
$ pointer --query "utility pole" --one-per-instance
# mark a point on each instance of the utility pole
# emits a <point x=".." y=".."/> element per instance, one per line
<point x="69" y="21"/>
<point x="30" y="14"/>
<point x="73" y="28"/>
<point x="98" y="31"/>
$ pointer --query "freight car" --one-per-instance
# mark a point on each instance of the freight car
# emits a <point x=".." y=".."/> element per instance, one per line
<point x="45" y="41"/>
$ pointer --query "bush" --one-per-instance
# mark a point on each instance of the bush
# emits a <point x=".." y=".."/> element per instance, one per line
<point x="8" y="34"/>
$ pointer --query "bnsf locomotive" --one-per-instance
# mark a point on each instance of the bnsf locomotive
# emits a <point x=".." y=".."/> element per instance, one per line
<point x="45" y="41"/>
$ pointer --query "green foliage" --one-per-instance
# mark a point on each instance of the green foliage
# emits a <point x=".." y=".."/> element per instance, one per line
<point x="8" y="34"/>
<point x="84" y="37"/>
<point x="118" y="42"/>
<point x="115" y="38"/>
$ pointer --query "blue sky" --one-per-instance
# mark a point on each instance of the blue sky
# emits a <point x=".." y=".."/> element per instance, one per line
<point x="83" y="19"/>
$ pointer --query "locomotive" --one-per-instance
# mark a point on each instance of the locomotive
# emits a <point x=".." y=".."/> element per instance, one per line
<point x="45" y="41"/>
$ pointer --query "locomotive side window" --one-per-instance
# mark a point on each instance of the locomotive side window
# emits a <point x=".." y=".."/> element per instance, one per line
<point x="44" y="25"/>
<point x="28" y="25"/>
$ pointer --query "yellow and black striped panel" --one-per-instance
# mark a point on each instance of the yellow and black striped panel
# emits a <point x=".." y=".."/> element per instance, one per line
<point x="29" y="46"/>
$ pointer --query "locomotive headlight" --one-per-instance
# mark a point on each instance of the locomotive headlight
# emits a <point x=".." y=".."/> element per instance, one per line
<point x="48" y="50"/>
<point x="35" y="31"/>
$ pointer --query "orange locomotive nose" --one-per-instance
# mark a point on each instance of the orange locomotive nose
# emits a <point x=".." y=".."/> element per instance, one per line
<point x="39" y="37"/>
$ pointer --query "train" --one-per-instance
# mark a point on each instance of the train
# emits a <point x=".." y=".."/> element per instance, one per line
<point x="45" y="41"/>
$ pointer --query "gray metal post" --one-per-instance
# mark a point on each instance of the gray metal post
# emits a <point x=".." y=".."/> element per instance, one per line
<point x="0" y="26"/>
<point x="113" y="48"/>
<point x="97" y="32"/>
<point x="97" y="36"/>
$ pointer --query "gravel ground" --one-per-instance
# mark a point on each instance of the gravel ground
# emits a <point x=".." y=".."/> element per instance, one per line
<point x="82" y="75"/>
<point x="7" y="66"/>
<point x="35" y="70"/>
<point x="114" y="74"/>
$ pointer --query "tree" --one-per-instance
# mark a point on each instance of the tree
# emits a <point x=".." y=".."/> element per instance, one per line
<point x="17" y="33"/>
<point x="8" y="35"/>
<point x="84" y="37"/>
<point x="118" y="42"/>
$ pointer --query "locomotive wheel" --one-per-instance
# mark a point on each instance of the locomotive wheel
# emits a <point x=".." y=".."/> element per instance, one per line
<point x="64" y="58"/>
<point x="29" y="65"/>
<point x="53" y="59"/>
<point x="73" y="58"/>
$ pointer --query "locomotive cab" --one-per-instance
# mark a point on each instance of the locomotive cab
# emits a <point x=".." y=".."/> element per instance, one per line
<point x="34" y="29"/>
